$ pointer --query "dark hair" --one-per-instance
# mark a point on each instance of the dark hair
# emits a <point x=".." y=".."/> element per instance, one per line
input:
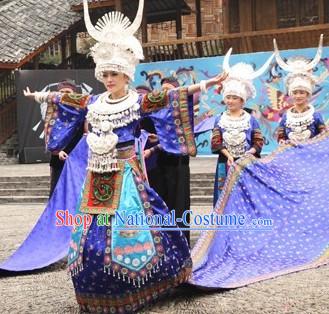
<point x="170" y="80"/>
<point x="247" y="110"/>
<point x="67" y="83"/>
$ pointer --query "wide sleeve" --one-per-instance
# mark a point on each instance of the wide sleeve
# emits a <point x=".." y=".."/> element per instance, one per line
<point x="319" y="123"/>
<point x="257" y="139"/>
<point x="216" y="138"/>
<point x="64" y="119"/>
<point x="172" y="115"/>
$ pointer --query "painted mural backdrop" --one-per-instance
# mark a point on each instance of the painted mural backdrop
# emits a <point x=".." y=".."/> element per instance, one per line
<point x="268" y="106"/>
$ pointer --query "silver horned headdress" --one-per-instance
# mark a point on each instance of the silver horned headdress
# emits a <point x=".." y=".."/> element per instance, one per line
<point x="240" y="77"/>
<point x="117" y="49"/>
<point x="300" y="75"/>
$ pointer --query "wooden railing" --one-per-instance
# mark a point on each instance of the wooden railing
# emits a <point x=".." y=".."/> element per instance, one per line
<point x="8" y="121"/>
<point x="206" y="46"/>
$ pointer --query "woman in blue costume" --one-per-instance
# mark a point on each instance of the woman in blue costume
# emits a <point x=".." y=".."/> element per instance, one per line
<point x="117" y="267"/>
<point x="235" y="131"/>
<point x="301" y="122"/>
<point x="279" y="216"/>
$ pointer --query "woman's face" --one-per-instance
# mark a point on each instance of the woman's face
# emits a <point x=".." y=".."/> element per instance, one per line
<point x="115" y="82"/>
<point x="233" y="102"/>
<point x="300" y="97"/>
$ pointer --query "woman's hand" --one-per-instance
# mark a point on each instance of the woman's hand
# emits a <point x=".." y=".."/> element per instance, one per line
<point x="39" y="97"/>
<point x="28" y="93"/>
<point x="251" y="151"/>
<point x="62" y="155"/>
<point x="153" y="138"/>
<point x="147" y="153"/>
<point x="205" y="84"/>
<point x="218" y="79"/>
<point x="291" y="142"/>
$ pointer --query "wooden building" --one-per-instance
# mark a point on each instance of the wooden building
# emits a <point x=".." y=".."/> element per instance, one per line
<point x="250" y="26"/>
<point x="295" y="23"/>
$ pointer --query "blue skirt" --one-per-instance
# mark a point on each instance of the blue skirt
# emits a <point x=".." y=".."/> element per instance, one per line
<point x="119" y="271"/>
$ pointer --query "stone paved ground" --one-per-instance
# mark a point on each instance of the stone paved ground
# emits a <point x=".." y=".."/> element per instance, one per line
<point x="50" y="291"/>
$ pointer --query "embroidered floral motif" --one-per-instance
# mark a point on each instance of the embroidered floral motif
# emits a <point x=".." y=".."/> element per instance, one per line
<point x="182" y="121"/>
<point x="101" y="193"/>
<point x="152" y="103"/>
<point x="75" y="100"/>
<point x="133" y="300"/>
<point x="137" y="261"/>
<point x="216" y="140"/>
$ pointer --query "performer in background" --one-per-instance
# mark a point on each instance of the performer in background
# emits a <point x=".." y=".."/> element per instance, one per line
<point x="169" y="174"/>
<point x="236" y="132"/>
<point x="301" y="122"/>
<point x="282" y="200"/>
<point x="57" y="159"/>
